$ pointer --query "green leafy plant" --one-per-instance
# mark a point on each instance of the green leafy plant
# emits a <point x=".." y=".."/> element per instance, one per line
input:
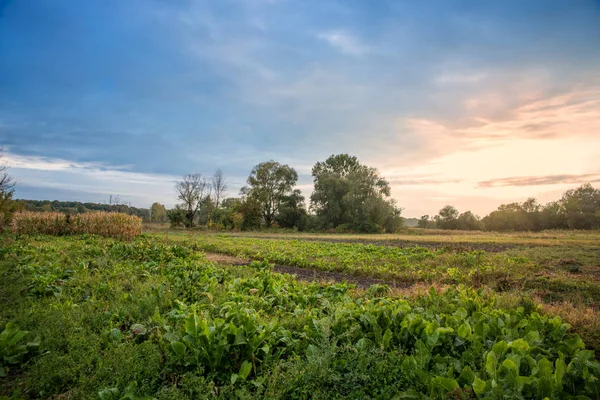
<point x="13" y="351"/>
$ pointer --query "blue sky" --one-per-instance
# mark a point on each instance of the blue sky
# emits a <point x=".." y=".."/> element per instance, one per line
<point x="471" y="103"/>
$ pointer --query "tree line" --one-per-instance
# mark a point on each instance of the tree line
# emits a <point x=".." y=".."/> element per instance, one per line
<point x="577" y="209"/>
<point x="347" y="196"/>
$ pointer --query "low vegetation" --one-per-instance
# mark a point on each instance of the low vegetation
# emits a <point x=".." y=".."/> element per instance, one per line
<point x="151" y="318"/>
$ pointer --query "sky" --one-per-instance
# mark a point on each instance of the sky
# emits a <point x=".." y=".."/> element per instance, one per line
<point x="469" y="103"/>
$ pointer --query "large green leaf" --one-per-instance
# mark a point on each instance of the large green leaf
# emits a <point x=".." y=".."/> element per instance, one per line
<point x="245" y="369"/>
<point x="479" y="386"/>
<point x="464" y="331"/>
<point x="491" y="364"/>
<point x="178" y="348"/>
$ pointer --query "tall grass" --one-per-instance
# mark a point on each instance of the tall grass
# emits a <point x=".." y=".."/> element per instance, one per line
<point x="117" y="225"/>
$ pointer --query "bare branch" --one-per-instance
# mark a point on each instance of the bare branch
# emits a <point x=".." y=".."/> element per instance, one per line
<point x="219" y="186"/>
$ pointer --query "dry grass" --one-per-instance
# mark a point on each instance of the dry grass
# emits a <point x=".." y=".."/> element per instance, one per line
<point x="584" y="320"/>
<point x="117" y="225"/>
<point x="47" y="223"/>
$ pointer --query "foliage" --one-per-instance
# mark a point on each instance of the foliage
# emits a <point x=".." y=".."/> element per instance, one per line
<point x="292" y="212"/>
<point x="194" y="192"/>
<point x="97" y="223"/>
<point x="270" y="183"/>
<point x="426" y="222"/>
<point x="12" y="349"/>
<point x="352" y="195"/>
<point x="7" y="185"/>
<point x="177" y="216"/>
<point x="154" y="319"/>
<point x="158" y="213"/>
<point x="76" y="207"/>
<point x="581" y="207"/>
<point x="447" y="218"/>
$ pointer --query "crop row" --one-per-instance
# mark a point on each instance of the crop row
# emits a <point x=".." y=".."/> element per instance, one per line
<point x="147" y="319"/>
<point x="406" y="264"/>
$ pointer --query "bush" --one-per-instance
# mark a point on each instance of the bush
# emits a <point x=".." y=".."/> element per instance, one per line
<point x="55" y="223"/>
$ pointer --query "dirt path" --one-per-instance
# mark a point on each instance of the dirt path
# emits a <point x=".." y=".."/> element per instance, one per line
<point x="309" y="275"/>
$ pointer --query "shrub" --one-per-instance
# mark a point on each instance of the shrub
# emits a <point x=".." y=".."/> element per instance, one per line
<point x="99" y="223"/>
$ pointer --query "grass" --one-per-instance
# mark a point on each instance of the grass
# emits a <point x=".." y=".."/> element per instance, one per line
<point x="127" y="319"/>
<point x="563" y="274"/>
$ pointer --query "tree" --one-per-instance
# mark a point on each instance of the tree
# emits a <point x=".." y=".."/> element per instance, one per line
<point x="7" y="189"/>
<point x="269" y="183"/>
<point x="426" y="222"/>
<point x="292" y="213"/>
<point x="581" y="207"/>
<point x="177" y="216"/>
<point x="467" y="221"/>
<point x="193" y="191"/>
<point x="219" y="186"/>
<point x="158" y="213"/>
<point x="447" y="218"/>
<point x="349" y="195"/>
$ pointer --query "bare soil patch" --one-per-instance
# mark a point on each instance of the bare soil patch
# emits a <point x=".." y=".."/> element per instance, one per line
<point x="225" y="259"/>
<point x="309" y="275"/>
<point x="313" y="275"/>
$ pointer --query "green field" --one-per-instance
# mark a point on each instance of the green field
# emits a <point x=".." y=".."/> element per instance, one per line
<point x="166" y="316"/>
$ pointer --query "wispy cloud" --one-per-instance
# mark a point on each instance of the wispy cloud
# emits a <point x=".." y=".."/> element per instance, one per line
<point x="540" y="180"/>
<point x="344" y="42"/>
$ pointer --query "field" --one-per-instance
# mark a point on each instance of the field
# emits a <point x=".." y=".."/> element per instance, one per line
<point x="180" y="314"/>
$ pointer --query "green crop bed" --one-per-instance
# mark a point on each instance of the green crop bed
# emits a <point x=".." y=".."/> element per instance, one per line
<point x="88" y="317"/>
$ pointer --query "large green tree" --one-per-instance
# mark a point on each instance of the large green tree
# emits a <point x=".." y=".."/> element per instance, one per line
<point x="268" y="185"/>
<point x="292" y="213"/>
<point x="581" y="207"/>
<point x="352" y="194"/>
<point x="447" y="218"/>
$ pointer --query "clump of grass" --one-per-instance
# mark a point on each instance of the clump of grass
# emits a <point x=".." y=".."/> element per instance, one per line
<point x="98" y="223"/>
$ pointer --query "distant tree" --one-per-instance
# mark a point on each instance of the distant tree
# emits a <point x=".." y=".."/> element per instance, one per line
<point x="177" y="216"/>
<point x="292" y="212"/>
<point x="581" y="207"/>
<point x="552" y="216"/>
<point x="447" y="218"/>
<point x="7" y="189"/>
<point x="219" y="186"/>
<point x="192" y="190"/>
<point x="467" y="221"/>
<point x="351" y="196"/>
<point x="269" y="183"/>
<point x="426" y="222"/>
<point x="158" y="213"/>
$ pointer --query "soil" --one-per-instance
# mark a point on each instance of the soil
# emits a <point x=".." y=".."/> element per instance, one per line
<point x="309" y="275"/>
<point x="313" y="275"/>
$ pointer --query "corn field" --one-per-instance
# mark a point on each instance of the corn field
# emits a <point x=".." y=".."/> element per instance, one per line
<point x="107" y="224"/>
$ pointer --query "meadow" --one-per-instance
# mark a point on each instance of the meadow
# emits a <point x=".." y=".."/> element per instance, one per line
<point x="175" y="314"/>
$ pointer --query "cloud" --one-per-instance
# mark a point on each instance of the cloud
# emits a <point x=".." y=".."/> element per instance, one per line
<point x="421" y="181"/>
<point x="540" y="180"/>
<point x="463" y="93"/>
<point x="93" y="180"/>
<point x="344" y="42"/>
